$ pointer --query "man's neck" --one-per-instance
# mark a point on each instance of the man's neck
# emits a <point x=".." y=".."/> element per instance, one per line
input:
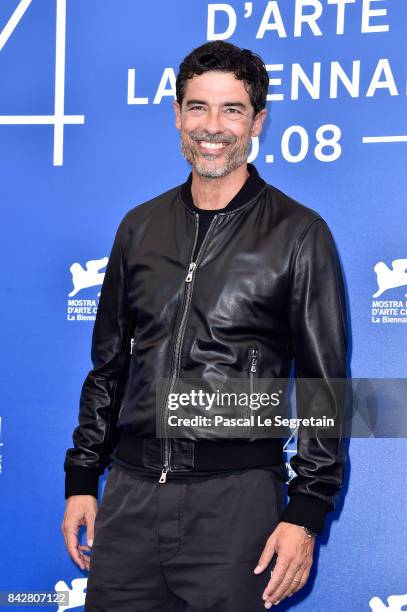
<point x="214" y="194"/>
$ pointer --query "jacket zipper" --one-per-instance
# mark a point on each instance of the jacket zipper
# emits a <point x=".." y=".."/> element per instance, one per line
<point x="253" y="358"/>
<point x="253" y="352"/>
<point x="181" y="330"/>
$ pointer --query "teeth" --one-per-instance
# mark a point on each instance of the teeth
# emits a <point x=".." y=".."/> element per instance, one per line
<point x="212" y="145"/>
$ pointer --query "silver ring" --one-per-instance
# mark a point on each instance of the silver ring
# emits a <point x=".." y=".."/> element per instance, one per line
<point x="296" y="580"/>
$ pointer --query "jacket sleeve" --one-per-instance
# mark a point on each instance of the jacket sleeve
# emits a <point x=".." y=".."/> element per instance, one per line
<point x="94" y="435"/>
<point x="318" y="327"/>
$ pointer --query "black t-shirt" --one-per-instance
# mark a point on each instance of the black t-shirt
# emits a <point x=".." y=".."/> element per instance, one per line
<point x="252" y="186"/>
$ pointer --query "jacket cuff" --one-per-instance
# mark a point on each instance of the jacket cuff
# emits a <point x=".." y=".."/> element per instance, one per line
<point x="81" y="480"/>
<point x="307" y="511"/>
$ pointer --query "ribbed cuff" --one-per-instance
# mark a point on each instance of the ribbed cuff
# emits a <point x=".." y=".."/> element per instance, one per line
<point x="81" y="481"/>
<point x="306" y="510"/>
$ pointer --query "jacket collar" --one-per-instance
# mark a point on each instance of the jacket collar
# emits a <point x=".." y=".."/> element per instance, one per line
<point x="251" y="188"/>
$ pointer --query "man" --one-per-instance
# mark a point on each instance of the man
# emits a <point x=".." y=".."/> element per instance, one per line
<point x="223" y="276"/>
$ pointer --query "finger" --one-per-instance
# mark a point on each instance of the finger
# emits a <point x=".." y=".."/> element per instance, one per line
<point x="295" y="585"/>
<point x="86" y="563"/>
<point x="280" y="584"/>
<point x="303" y="580"/>
<point x="86" y="560"/>
<point x="63" y="532"/>
<point x="72" y="546"/>
<point x="277" y="576"/>
<point x="85" y="554"/>
<point x="84" y="547"/>
<point x="288" y="585"/>
<point x="265" y="556"/>
<point x="90" y="528"/>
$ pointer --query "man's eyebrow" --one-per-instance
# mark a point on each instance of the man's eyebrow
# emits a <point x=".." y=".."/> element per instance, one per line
<point x="194" y="101"/>
<point x="238" y="104"/>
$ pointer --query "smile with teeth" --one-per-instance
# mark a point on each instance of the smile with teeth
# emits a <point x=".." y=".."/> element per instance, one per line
<point x="212" y="145"/>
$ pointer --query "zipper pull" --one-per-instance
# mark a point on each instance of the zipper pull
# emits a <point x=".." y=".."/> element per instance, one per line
<point x="253" y="360"/>
<point x="163" y="476"/>
<point x="131" y="346"/>
<point x="191" y="269"/>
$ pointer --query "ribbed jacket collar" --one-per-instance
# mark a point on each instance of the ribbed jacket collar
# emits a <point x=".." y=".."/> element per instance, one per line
<point x="253" y="185"/>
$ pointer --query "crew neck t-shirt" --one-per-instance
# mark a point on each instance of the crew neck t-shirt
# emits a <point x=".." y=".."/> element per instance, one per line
<point x="252" y="186"/>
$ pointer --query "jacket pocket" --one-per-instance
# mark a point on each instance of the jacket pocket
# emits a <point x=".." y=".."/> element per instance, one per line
<point x="127" y="381"/>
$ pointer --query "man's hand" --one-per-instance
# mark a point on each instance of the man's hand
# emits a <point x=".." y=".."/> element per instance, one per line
<point x="294" y="549"/>
<point x="80" y="510"/>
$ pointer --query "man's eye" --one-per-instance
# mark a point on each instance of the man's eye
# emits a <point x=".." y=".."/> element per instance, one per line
<point x="233" y="110"/>
<point x="196" y="107"/>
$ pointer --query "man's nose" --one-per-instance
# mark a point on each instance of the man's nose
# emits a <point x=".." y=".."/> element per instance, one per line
<point x="213" y="122"/>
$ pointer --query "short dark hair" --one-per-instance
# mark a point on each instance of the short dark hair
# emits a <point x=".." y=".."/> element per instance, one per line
<point x="225" y="57"/>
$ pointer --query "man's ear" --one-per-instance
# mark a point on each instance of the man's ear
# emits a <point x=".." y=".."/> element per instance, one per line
<point x="258" y="122"/>
<point x="177" y="111"/>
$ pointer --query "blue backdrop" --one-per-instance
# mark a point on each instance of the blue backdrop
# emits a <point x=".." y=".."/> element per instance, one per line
<point x="87" y="132"/>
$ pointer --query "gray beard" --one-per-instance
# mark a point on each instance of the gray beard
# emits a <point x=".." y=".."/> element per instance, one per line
<point x="236" y="158"/>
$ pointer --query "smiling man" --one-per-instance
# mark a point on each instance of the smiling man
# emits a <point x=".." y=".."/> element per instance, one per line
<point x="221" y="277"/>
<point x="213" y="154"/>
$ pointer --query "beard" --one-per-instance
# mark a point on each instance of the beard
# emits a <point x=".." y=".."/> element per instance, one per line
<point x="234" y="156"/>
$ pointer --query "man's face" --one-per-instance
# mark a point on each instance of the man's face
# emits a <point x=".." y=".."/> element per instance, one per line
<point x="216" y="123"/>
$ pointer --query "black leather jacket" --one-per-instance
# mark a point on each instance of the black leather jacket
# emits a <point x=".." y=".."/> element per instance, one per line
<point x="266" y="276"/>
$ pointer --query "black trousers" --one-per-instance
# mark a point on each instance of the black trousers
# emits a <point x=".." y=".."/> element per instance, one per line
<point x="178" y="547"/>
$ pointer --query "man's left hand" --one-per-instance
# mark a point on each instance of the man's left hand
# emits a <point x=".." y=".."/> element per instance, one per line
<point x="295" y="550"/>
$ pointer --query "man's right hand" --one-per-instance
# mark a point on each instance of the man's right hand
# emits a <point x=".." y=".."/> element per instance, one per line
<point x="80" y="510"/>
